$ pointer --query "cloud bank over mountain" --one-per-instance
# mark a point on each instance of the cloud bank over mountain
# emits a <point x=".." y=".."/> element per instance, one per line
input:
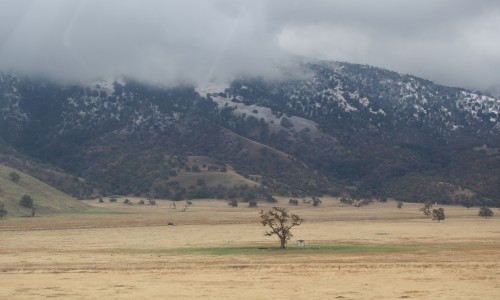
<point x="450" y="42"/>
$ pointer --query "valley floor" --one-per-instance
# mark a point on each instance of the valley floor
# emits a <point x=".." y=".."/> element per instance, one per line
<point x="214" y="251"/>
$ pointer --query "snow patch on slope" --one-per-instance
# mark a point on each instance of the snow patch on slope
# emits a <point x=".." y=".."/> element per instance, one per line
<point x="474" y="103"/>
<point x="266" y="114"/>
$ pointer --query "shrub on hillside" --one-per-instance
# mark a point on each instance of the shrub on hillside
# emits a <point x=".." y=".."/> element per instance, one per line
<point x="26" y="201"/>
<point x="14" y="177"/>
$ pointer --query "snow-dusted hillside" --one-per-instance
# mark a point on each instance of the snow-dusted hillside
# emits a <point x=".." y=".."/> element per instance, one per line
<point x="365" y="127"/>
<point x="369" y="96"/>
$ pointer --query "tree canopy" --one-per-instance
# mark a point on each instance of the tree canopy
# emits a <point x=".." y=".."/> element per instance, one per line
<point x="280" y="221"/>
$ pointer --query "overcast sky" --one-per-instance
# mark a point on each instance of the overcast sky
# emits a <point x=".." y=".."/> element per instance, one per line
<point x="453" y="42"/>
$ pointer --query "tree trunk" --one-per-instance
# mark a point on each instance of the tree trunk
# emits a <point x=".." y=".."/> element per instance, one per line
<point x="282" y="243"/>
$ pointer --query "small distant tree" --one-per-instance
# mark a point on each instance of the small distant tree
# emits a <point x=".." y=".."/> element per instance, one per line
<point x="400" y="204"/>
<point x="467" y="202"/>
<point x="252" y="203"/>
<point x="316" y="201"/>
<point x="438" y="214"/>
<point x="187" y="205"/>
<point x="14" y="177"/>
<point x="26" y="201"/>
<point x="100" y="200"/>
<point x="152" y="201"/>
<point x="233" y="202"/>
<point x="280" y="222"/>
<point x="126" y="201"/>
<point x="485" y="212"/>
<point x="141" y="202"/>
<point x="112" y="200"/>
<point x="346" y="201"/>
<point x="3" y="210"/>
<point x="271" y="199"/>
<point x="293" y="202"/>
<point x="426" y="210"/>
<point x="362" y="202"/>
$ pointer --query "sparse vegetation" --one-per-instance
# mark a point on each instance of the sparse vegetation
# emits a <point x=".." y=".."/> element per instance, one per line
<point x="400" y="204"/>
<point x="426" y="210"/>
<point x="293" y="202"/>
<point x="187" y="206"/>
<point x="280" y="221"/>
<point x="112" y="200"/>
<point x="362" y="202"/>
<point x="346" y="201"/>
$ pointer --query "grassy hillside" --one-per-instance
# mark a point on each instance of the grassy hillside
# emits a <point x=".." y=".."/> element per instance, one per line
<point x="46" y="199"/>
<point x="211" y="178"/>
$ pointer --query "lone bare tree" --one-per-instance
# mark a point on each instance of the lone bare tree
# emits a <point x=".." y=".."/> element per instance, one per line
<point x="427" y="209"/>
<point x="280" y="222"/>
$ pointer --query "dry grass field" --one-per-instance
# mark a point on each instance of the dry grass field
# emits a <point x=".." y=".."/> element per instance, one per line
<point x="213" y="251"/>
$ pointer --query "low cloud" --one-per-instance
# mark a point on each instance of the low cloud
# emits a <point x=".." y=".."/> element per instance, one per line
<point x="451" y="42"/>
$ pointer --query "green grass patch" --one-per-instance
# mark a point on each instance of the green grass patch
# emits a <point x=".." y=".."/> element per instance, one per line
<point x="312" y="248"/>
<point x="104" y="212"/>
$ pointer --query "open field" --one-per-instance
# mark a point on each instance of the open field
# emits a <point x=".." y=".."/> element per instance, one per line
<point x="213" y="251"/>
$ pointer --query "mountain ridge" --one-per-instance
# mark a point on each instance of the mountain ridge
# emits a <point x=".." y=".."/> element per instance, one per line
<point x="345" y="125"/>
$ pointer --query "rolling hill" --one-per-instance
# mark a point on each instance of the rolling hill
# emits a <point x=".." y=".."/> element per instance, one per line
<point x="46" y="199"/>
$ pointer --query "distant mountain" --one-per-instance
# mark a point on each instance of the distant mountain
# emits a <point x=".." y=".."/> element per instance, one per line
<point x="339" y="129"/>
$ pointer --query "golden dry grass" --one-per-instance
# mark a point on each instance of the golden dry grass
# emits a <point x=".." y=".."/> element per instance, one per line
<point x="128" y="252"/>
